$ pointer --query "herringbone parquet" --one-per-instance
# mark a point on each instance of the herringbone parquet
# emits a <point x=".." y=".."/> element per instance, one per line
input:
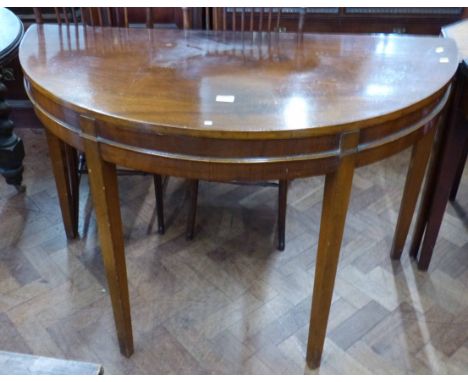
<point x="228" y="302"/>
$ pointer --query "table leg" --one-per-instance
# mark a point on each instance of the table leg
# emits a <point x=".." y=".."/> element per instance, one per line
<point x="424" y="207"/>
<point x="429" y="186"/>
<point x="454" y="140"/>
<point x="417" y="168"/>
<point x="11" y="146"/>
<point x="458" y="176"/>
<point x="66" y="177"/>
<point x="104" y="189"/>
<point x="335" y="206"/>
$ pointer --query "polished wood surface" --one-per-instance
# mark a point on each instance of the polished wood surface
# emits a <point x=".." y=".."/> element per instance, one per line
<point x="195" y="67"/>
<point x="426" y="21"/>
<point x="235" y="106"/>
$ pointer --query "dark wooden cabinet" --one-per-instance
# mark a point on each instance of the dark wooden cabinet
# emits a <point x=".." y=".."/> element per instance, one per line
<point x="361" y="20"/>
<point x="169" y="17"/>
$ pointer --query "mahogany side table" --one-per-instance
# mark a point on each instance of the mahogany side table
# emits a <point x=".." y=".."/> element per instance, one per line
<point x="226" y="106"/>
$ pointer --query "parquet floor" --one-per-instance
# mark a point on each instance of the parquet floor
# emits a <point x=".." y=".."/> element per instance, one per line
<point x="228" y="302"/>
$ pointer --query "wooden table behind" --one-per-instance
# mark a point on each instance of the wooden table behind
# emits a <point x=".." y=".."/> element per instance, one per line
<point x="449" y="161"/>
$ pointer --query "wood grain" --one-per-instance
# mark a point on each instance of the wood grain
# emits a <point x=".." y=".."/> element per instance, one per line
<point x="103" y="180"/>
<point x="345" y="69"/>
<point x="336" y="194"/>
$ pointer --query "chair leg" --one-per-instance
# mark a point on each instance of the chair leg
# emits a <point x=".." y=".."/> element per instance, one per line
<point x="453" y="153"/>
<point x="72" y="163"/>
<point x="64" y="174"/>
<point x="192" y="209"/>
<point x="414" y="178"/>
<point x="158" y="190"/>
<point x="282" y="206"/>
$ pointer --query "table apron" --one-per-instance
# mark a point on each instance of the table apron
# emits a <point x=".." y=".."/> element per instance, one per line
<point x="322" y="158"/>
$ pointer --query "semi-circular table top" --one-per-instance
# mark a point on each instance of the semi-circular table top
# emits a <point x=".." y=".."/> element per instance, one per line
<point x="233" y="84"/>
<point x="11" y="32"/>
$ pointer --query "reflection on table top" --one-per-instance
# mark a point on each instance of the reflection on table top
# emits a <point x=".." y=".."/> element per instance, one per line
<point x="234" y="82"/>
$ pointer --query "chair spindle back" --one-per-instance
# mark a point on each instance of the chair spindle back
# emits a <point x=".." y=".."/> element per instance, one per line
<point x="94" y="16"/>
<point x="254" y="19"/>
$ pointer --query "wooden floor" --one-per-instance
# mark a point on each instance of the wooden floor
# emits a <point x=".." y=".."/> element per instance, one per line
<point x="229" y="302"/>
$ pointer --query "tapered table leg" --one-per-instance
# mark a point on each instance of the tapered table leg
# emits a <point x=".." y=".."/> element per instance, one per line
<point x="65" y="174"/>
<point x="335" y="206"/>
<point x="104" y="188"/>
<point x="417" y="168"/>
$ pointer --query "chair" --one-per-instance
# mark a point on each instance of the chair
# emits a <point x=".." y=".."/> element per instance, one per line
<point x="250" y="20"/>
<point x="76" y="162"/>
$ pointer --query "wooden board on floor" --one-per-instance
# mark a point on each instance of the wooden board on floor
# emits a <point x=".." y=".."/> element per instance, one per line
<point x="27" y="364"/>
